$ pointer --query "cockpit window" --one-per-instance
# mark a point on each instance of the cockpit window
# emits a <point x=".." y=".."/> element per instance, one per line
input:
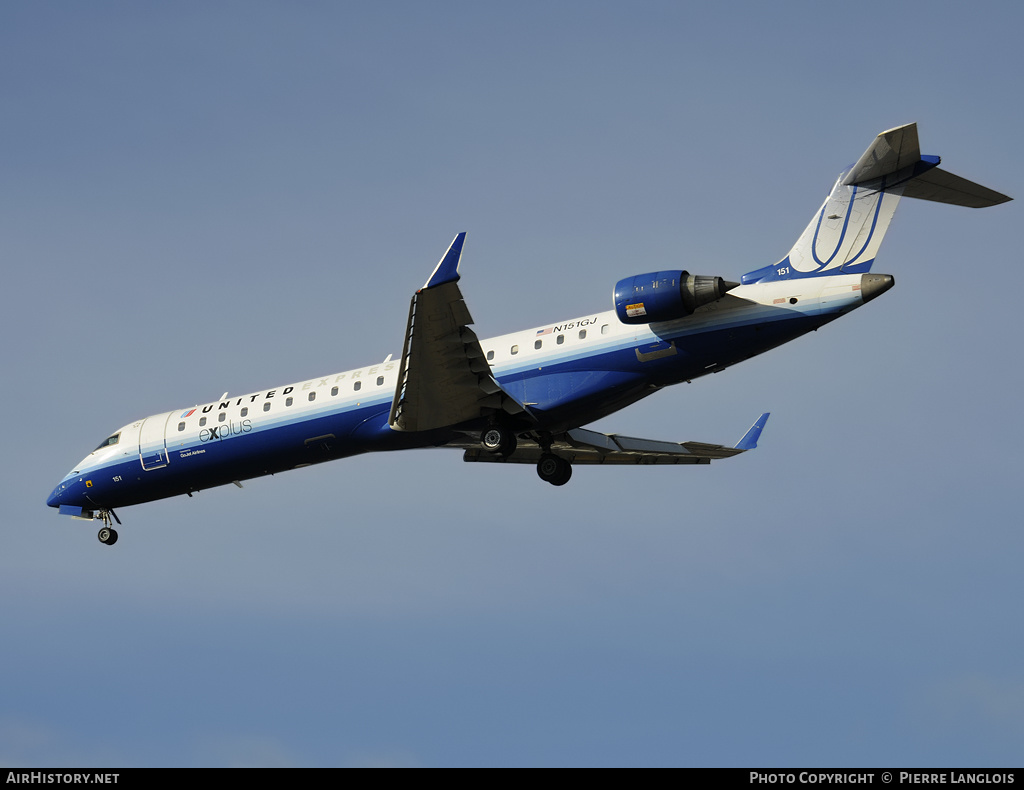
<point x="108" y="441"/>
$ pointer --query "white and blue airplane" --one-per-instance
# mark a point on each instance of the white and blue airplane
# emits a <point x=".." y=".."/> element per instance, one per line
<point x="524" y="397"/>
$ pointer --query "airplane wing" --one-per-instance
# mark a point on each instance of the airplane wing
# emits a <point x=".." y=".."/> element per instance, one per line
<point x="444" y="378"/>
<point x="581" y="446"/>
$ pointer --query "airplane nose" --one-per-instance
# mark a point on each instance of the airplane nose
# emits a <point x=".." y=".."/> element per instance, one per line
<point x="54" y="499"/>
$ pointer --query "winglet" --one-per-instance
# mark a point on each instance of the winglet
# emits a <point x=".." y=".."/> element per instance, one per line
<point x="749" y="440"/>
<point x="447" y="270"/>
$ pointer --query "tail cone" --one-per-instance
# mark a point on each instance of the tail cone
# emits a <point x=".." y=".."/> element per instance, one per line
<point x="872" y="285"/>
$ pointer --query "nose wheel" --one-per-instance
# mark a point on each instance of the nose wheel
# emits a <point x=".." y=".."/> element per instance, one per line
<point x="107" y="533"/>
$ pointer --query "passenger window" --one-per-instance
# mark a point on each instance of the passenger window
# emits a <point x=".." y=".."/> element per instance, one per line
<point x="181" y="426"/>
<point x="266" y="406"/>
<point x="357" y="385"/>
<point x="202" y="421"/>
<point x="583" y="334"/>
<point x="334" y="390"/>
<point x="515" y="349"/>
<point x="222" y="416"/>
<point x="538" y="343"/>
<point x="380" y="380"/>
<point x="604" y="329"/>
<point x="490" y="355"/>
<point x="560" y="339"/>
<point x="289" y="401"/>
<point x="245" y="411"/>
<point x="312" y="396"/>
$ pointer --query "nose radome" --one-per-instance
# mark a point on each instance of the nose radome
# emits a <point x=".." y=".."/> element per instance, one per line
<point x="54" y="499"/>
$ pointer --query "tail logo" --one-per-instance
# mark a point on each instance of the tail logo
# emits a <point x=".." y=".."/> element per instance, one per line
<point x="841" y="234"/>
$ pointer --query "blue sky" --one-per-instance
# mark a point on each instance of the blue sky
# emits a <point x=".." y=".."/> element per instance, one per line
<point x="205" y="197"/>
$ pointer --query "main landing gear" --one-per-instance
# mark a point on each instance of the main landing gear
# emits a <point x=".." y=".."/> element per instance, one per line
<point x="498" y="440"/>
<point x="107" y="533"/>
<point x="554" y="470"/>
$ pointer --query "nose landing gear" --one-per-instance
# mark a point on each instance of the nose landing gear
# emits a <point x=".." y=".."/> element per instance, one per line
<point x="107" y="533"/>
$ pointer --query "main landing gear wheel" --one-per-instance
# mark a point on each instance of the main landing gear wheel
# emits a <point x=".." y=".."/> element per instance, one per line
<point x="108" y="536"/>
<point x="554" y="470"/>
<point x="498" y="440"/>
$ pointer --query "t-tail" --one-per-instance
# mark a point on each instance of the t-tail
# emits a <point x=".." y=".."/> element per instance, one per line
<point x="845" y="234"/>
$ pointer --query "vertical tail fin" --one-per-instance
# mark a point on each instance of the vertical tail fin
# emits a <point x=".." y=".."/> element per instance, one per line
<point x="845" y="234"/>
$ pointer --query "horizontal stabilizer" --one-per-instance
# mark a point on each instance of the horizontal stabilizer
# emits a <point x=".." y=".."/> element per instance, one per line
<point x="892" y="150"/>
<point x="895" y="155"/>
<point x="944" y="187"/>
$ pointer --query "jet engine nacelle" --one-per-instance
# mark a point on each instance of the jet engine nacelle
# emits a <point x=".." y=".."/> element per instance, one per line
<point x="664" y="296"/>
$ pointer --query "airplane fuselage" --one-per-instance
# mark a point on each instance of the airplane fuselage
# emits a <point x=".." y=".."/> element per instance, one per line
<point x="568" y="374"/>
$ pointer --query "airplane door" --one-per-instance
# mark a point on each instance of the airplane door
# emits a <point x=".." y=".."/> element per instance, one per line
<point x="153" y="442"/>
